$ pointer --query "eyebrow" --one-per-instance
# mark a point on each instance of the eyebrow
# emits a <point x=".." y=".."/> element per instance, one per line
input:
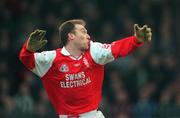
<point x="83" y="29"/>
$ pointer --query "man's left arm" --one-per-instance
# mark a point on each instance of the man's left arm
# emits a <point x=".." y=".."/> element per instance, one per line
<point x="104" y="53"/>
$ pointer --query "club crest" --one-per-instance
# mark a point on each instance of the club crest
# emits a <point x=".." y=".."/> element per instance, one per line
<point x="64" y="68"/>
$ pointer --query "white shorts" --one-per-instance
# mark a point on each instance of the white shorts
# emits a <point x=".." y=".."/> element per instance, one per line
<point x="90" y="114"/>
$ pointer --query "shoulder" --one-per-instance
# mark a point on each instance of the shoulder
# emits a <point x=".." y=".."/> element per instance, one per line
<point x="101" y="53"/>
<point x="45" y="56"/>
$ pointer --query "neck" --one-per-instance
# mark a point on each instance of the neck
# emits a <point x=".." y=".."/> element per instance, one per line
<point x="74" y="51"/>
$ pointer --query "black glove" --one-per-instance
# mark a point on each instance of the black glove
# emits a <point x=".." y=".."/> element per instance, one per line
<point x="36" y="40"/>
<point x="142" y="33"/>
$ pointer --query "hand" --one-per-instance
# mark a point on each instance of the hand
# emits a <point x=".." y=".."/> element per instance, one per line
<point x="36" y="40"/>
<point x="142" y="33"/>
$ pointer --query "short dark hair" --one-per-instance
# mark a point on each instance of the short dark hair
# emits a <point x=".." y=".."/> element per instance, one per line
<point x="67" y="27"/>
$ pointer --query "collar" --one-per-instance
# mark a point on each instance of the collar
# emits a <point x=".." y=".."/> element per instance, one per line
<point x="66" y="53"/>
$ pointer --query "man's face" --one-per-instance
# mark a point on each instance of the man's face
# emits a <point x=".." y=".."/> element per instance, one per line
<point x="81" y="37"/>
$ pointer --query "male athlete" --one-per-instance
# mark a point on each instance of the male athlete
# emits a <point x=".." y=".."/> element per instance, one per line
<point x="73" y="75"/>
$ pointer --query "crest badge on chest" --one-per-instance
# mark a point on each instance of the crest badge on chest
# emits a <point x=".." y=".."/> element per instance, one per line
<point x="64" y="68"/>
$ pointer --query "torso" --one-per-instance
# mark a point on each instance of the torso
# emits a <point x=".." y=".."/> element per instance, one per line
<point x="74" y="84"/>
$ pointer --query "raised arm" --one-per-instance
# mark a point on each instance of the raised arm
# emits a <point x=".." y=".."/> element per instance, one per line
<point x="39" y="63"/>
<point x="104" y="53"/>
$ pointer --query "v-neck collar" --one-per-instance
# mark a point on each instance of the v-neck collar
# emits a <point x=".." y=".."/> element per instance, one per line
<point x="66" y="53"/>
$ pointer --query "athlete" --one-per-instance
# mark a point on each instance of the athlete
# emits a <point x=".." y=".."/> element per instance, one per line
<point x="73" y="75"/>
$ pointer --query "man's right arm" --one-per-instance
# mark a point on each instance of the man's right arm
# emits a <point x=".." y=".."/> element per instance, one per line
<point x="39" y="63"/>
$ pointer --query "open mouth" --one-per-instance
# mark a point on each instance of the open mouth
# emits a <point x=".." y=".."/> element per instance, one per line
<point x="88" y="43"/>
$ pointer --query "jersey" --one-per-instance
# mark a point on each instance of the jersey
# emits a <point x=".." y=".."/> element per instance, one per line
<point x="74" y="85"/>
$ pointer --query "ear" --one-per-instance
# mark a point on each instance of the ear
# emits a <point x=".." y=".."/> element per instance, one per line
<point x="71" y="36"/>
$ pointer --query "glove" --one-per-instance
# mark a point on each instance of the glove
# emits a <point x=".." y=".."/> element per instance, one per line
<point x="142" y="33"/>
<point x="36" y="40"/>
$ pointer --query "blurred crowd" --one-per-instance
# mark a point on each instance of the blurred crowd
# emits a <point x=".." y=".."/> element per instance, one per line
<point x="145" y="84"/>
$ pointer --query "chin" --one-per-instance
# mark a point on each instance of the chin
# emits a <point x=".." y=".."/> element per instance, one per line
<point x="85" y="48"/>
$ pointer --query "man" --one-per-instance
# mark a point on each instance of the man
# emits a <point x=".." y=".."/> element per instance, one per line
<point x="73" y="75"/>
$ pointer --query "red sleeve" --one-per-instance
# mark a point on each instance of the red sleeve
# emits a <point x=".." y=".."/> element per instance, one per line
<point x="124" y="46"/>
<point x="27" y="57"/>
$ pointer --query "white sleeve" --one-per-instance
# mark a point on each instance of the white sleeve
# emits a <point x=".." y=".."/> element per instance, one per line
<point x="43" y="62"/>
<point x="101" y="53"/>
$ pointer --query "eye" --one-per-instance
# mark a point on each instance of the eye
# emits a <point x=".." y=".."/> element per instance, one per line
<point x="84" y="32"/>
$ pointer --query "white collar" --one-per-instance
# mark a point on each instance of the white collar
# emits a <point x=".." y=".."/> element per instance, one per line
<point x="66" y="53"/>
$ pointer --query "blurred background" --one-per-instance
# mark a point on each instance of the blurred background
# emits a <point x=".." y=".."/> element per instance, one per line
<point x="145" y="84"/>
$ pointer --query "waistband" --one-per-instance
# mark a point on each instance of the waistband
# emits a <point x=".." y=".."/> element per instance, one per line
<point x="89" y="114"/>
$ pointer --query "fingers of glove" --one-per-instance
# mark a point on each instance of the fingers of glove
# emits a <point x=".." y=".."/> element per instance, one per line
<point x="34" y="35"/>
<point x="39" y="35"/>
<point x="148" y="30"/>
<point x="35" y="31"/>
<point x="144" y="28"/>
<point x="42" y="34"/>
<point x="149" y="36"/>
<point x="136" y="27"/>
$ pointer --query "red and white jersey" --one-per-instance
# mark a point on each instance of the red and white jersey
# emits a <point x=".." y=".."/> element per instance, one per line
<point x="74" y="85"/>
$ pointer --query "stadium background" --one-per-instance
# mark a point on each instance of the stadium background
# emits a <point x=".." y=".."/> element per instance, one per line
<point x="145" y="84"/>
